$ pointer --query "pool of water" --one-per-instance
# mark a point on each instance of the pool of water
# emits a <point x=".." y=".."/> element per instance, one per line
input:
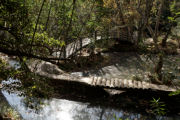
<point x="61" y="109"/>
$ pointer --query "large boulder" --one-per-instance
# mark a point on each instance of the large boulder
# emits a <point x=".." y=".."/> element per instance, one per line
<point x="44" y="67"/>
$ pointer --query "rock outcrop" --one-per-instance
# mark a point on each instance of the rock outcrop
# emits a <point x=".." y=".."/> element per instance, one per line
<point x="47" y="69"/>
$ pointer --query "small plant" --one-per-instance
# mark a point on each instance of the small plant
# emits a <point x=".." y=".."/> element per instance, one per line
<point x="117" y="118"/>
<point x="168" y="77"/>
<point x="175" y="93"/>
<point x="136" y="78"/>
<point x="9" y="113"/>
<point x="158" y="107"/>
<point x="12" y="114"/>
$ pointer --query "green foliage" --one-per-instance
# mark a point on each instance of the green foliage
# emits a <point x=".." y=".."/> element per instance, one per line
<point x="158" y="107"/>
<point x="44" y="39"/>
<point x="7" y="72"/>
<point x="33" y="87"/>
<point x="14" y="11"/>
<point x="174" y="93"/>
<point x="168" y="77"/>
<point x="60" y="23"/>
<point x="153" y="77"/>
<point x="9" y="113"/>
<point x="116" y="118"/>
<point x="175" y="13"/>
<point x="137" y="78"/>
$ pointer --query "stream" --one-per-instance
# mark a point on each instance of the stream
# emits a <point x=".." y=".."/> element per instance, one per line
<point x="61" y="109"/>
<point x="68" y="109"/>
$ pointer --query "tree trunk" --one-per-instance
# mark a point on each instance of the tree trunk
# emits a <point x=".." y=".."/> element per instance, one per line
<point x="158" y="68"/>
<point x="164" y="41"/>
<point x="139" y="37"/>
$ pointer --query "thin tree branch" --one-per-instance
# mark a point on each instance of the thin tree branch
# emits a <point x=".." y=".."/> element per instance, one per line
<point x="48" y="16"/>
<point x="32" y="41"/>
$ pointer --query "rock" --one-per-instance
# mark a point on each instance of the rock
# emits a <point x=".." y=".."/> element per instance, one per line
<point x="39" y="66"/>
<point x="173" y="43"/>
<point x="79" y="74"/>
<point x="178" y="51"/>
<point x="149" y="41"/>
<point x="113" y="91"/>
<point x="117" y="75"/>
<point x="50" y="68"/>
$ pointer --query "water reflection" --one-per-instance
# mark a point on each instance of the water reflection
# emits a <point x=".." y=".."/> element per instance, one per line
<point x="60" y="109"/>
<point x="14" y="64"/>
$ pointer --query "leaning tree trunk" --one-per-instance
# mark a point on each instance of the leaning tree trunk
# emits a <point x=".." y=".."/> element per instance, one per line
<point x="164" y="41"/>
<point x="158" y="68"/>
